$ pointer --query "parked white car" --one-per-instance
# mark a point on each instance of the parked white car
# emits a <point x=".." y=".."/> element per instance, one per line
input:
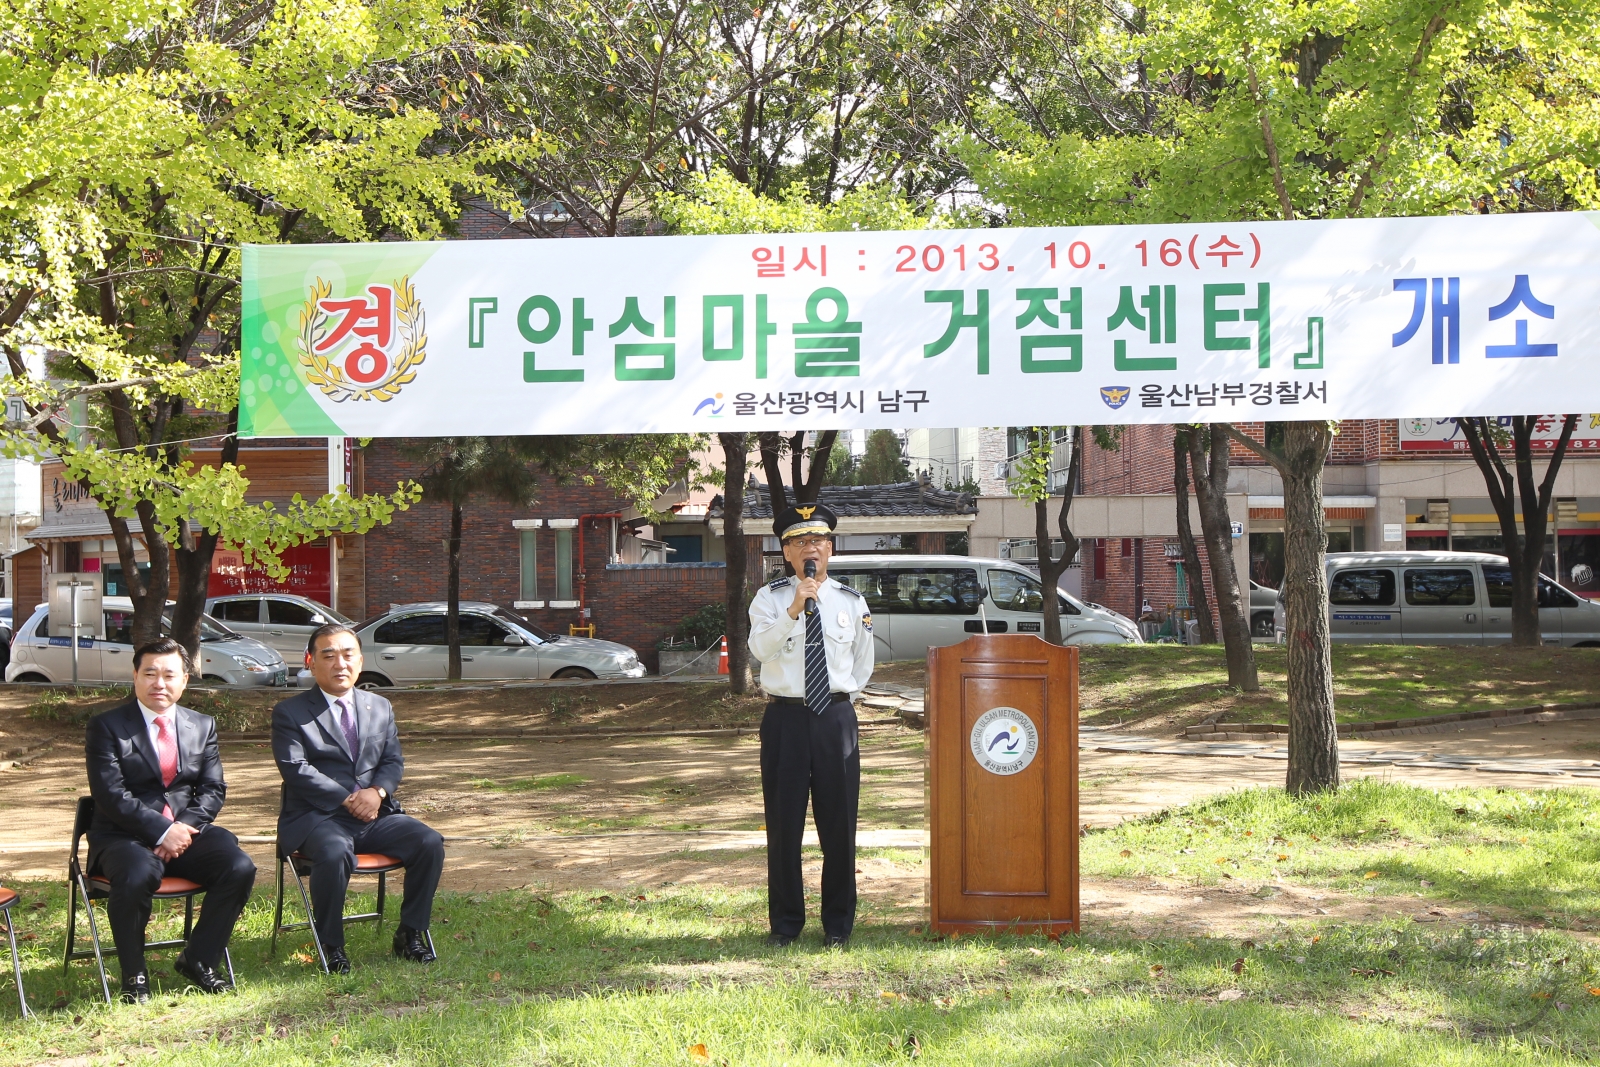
<point x="226" y="657"/>
<point x="281" y="620"/>
<point x="923" y="602"/>
<point x="1441" y="598"/>
<point x="407" y="644"/>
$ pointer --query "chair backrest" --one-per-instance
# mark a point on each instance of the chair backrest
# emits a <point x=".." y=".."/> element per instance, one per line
<point x="80" y="825"/>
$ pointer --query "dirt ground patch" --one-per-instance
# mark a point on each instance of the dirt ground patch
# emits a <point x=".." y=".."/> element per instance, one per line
<point x="622" y="814"/>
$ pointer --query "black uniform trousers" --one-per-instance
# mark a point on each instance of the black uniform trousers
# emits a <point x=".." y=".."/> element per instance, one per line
<point x="806" y="756"/>
<point x="213" y="858"/>
<point x="332" y="849"/>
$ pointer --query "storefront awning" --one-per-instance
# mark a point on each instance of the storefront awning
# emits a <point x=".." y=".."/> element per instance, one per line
<point x="77" y="531"/>
<point x="1327" y="502"/>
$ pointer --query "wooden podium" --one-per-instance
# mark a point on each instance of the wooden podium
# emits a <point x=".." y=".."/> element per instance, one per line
<point x="1003" y="785"/>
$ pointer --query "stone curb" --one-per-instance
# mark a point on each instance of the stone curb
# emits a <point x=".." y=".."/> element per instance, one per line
<point x="1430" y="724"/>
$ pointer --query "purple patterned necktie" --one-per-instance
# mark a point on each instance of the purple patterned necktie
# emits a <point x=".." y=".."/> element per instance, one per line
<point x="351" y="735"/>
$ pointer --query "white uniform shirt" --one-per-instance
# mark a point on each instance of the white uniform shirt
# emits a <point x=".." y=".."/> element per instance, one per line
<point x="779" y="642"/>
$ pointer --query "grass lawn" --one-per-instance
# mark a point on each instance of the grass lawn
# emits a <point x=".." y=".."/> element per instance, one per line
<point x="1181" y="685"/>
<point x="677" y="974"/>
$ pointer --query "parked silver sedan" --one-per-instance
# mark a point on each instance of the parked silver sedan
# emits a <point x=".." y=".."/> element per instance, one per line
<point x="407" y="644"/>
<point x="226" y="657"/>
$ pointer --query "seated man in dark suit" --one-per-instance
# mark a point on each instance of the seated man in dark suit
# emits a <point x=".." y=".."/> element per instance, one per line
<point x="339" y="754"/>
<point x="156" y="778"/>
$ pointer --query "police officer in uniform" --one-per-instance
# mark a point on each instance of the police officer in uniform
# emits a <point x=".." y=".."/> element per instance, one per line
<point x="813" y="637"/>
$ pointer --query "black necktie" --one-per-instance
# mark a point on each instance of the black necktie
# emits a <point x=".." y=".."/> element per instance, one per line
<point x="816" y="663"/>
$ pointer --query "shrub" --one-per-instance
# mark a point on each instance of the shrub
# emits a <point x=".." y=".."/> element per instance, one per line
<point x="702" y="628"/>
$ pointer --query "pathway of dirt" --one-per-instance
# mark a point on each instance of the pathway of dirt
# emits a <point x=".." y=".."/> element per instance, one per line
<point x="616" y="814"/>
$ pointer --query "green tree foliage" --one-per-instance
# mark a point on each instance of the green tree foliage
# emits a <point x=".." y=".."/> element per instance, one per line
<point x="636" y="100"/>
<point x="145" y="142"/>
<point x="841" y="465"/>
<point x="1192" y="110"/>
<point x="880" y="464"/>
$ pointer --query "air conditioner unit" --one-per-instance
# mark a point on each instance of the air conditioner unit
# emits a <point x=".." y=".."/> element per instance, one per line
<point x="1567" y="509"/>
<point x="1438" y="512"/>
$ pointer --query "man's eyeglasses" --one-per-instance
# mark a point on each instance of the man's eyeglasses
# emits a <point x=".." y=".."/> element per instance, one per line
<point x="811" y="542"/>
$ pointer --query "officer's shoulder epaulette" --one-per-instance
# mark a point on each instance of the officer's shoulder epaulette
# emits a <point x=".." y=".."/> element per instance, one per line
<point x="852" y="590"/>
<point x="777" y="583"/>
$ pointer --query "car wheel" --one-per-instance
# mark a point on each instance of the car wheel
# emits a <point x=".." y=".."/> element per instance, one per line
<point x="1261" y="626"/>
<point x="368" y="680"/>
<point x="31" y="677"/>
<point x="573" y="672"/>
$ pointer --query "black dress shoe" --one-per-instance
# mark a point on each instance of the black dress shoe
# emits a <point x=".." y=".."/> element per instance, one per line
<point x="135" y="988"/>
<point x="836" y="941"/>
<point x="779" y="940"/>
<point x="205" y="977"/>
<point x="412" y="945"/>
<point x="338" y="962"/>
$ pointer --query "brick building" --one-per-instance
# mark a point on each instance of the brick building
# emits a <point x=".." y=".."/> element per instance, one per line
<point x="579" y="556"/>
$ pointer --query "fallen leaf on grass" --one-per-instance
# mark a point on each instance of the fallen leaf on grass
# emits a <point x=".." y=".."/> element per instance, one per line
<point x="698" y="1054"/>
<point x="887" y="995"/>
<point x="1371" y="972"/>
<point x="1282" y="857"/>
<point x="1594" y="990"/>
<point x="533" y="946"/>
<point x="334" y="1040"/>
<point x="1541" y="996"/>
<point x="494" y="977"/>
<point x="1239" y="965"/>
<point x="1370" y="875"/>
<point x="1231" y="994"/>
<point x="1125" y="853"/>
<point x="1155" y="970"/>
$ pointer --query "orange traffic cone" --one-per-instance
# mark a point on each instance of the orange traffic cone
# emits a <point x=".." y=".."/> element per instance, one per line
<point x="722" y="661"/>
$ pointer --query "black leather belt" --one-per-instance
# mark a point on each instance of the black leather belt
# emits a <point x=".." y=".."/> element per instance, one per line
<point x="801" y="700"/>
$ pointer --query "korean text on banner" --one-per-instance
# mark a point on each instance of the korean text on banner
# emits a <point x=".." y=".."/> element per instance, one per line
<point x="1344" y="319"/>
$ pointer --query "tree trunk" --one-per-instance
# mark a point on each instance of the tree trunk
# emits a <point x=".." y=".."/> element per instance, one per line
<point x="1211" y="487"/>
<point x="150" y="604"/>
<point x="1050" y="568"/>
<point x="452" y="617"/>
<point x="195" y="552"/>
<point x="1524" y="553"/>
<point x="1191" y="552"/>
<point x="1313" y="734"/>
<point x="734" y="450"/>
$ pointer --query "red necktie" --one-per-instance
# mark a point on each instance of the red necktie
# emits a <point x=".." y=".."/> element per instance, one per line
<point x="167" y="750"/>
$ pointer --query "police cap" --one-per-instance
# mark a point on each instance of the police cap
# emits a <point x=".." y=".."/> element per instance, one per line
<point x="803" y="519"/>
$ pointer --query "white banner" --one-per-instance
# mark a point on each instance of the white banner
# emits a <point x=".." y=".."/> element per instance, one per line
<point x="1215" y="322"/>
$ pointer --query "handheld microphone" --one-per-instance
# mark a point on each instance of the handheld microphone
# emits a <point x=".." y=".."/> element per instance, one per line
<point x="811" y="572"/>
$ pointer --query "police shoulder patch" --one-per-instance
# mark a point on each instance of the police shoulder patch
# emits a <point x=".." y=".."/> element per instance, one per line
<point x="851" y="590"/>
<point x="778" y="583"/>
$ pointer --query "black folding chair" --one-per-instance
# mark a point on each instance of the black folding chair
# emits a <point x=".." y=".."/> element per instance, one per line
<point x="94" y="887"/>
<point x="8" y="899"/>
<point x="366" y="863"/>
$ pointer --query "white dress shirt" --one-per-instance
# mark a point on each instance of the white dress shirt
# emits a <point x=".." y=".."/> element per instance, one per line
<point x="150" y="718"/>
<point x="779" y="642"/>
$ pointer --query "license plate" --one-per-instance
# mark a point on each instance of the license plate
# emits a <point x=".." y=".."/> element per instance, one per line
<point x="281" y="678"/>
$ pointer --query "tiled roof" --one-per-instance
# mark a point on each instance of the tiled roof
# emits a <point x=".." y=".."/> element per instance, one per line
<point x="867" y="501"/>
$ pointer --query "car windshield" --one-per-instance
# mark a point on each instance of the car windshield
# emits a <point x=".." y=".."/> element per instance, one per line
<point x="210" y="629"/>
<point x="536" y="632"/>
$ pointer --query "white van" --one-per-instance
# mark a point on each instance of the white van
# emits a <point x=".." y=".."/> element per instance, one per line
<point x="226" y="658"/>
<point x="1441" y="598"/>
<point x="923" y="602"/>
